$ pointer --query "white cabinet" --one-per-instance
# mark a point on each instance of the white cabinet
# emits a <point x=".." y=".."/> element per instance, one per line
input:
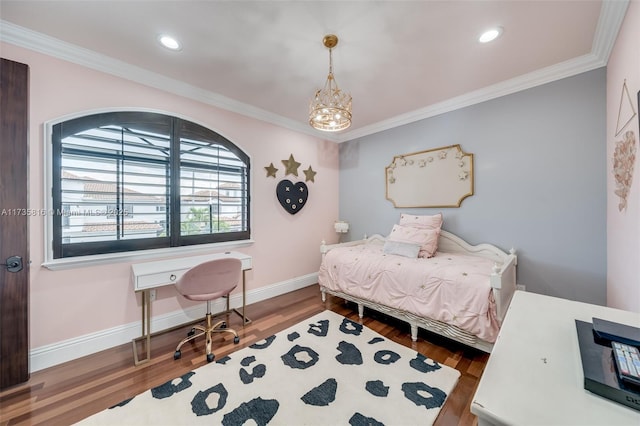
<point x="534" y="374"/>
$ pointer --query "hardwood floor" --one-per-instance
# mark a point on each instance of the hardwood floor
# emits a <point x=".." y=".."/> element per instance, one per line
<point x="69" y="392"/>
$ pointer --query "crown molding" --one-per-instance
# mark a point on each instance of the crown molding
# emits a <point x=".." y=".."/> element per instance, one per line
<point x="38" y="42"/>
<point x="611" y="17"/>
<point x="564" y="69"/>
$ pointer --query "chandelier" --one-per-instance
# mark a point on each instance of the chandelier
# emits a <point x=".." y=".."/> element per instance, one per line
<point x="330" y="108"/>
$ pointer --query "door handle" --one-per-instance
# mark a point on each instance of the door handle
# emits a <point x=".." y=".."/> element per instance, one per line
<point x="14" y="264"/>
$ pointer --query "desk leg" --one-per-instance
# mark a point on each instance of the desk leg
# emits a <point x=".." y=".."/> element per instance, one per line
<point x="244" y="301"/>
<point x="146" y="329"/>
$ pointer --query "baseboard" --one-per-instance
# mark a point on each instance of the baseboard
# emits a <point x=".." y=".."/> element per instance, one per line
<point x="68" y="350"/>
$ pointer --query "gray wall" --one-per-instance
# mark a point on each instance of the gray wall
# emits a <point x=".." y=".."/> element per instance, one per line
<point x="540" y="181"/>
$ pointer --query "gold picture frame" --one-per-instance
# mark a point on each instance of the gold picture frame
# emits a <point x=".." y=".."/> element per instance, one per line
<point x="439" y="177"/>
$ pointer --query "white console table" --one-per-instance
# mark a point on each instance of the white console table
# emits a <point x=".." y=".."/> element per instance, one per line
<point x="534" y="374"/>
<point x="150" y="275"/>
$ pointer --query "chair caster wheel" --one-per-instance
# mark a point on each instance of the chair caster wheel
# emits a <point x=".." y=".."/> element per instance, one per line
<point x="236" y="340"/>
<point x="223" y="325"/>
<point x="177" y="355"/>
<point x="210" y="357"/>
<point x="191" y="332"/>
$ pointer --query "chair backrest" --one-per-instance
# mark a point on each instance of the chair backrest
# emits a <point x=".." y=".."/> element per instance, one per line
<point x="210" y="280"/>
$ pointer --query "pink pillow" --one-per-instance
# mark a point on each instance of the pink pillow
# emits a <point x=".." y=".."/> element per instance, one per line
<point x="426" y="238"/>
<point x="427" y="221"/>
<point x="429" y="249"/>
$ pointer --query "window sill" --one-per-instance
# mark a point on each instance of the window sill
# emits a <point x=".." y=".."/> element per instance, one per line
<point x="102" y="259"/>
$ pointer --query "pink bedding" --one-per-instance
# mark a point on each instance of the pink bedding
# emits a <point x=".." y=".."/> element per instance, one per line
<point x="451" y="288"/>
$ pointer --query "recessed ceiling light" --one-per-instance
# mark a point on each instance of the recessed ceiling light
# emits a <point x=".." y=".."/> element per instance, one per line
<point x="169" y="42"/>
<point x="490" y="35"/>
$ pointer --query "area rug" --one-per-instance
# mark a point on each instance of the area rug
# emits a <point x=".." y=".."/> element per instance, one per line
<point x="326" y="370"/>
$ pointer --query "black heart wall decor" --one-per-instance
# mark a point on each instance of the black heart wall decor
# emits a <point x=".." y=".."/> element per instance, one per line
<point x="292" y="196"/>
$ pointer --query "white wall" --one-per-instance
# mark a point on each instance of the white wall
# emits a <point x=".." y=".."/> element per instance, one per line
<point x="623" y="226"/>
<point x="539" y="181"/>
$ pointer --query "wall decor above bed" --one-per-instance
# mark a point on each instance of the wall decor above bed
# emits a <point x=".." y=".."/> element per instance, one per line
<point x="439" y="177"/>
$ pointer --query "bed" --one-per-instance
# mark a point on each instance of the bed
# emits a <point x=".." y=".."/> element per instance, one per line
<point x="461" y="291"/>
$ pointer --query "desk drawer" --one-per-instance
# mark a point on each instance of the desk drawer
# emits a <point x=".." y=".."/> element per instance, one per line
<point x="167" y="272"/>
<point x="159" y="279"/>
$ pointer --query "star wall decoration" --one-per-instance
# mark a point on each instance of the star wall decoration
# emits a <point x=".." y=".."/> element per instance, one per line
<point x="291" y="166"/>
<point x="309" y="175"/>
<point x="292" y="196"/>
<point x="271" y="170"/>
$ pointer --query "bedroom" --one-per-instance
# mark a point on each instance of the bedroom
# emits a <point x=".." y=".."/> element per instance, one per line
<point x="550" y="196"/>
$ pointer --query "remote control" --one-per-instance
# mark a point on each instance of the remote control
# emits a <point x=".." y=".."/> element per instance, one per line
<point x="627" y="359"/>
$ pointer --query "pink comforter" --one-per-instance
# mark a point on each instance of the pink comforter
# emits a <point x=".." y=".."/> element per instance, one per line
<point x="452" y="288"/>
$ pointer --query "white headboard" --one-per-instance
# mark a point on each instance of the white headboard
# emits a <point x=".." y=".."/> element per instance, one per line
<point x="450" y="243"/>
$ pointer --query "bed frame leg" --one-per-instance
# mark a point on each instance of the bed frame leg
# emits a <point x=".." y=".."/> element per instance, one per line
<point x="414" y="332"/>
<point x="360" y="310"/>
<point x="324" y="296"/>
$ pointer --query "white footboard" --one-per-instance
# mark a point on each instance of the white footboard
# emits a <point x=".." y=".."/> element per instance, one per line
<point x="326" y="247"/>
<point x="503" y="282"/>
<point x="503" y="275"/>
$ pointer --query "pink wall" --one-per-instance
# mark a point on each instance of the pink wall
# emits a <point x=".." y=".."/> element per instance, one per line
<point x="74" y="302"/>
<point x="623" y="227"/>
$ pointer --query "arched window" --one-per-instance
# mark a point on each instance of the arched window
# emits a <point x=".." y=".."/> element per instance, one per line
<point x="127" y="181"/>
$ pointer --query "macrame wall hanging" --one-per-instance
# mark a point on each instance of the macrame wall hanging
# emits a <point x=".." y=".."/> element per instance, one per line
<point x="624" y="154"/>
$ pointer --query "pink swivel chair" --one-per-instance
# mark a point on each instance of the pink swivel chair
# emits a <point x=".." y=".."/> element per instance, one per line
<point x="209" y="281"/>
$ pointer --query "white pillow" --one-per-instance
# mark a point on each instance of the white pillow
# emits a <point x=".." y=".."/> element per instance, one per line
<point x="401" y="249"/>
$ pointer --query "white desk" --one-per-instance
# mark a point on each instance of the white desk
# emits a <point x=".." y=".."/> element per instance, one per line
<point x="150" y="275"/>
<point x="534" y="374"/>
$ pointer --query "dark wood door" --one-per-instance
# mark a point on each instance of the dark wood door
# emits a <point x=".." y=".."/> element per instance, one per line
<point x="14" y="215"/>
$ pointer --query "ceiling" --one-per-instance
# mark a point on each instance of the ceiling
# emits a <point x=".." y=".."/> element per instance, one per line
<point x="401" y="61"/>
